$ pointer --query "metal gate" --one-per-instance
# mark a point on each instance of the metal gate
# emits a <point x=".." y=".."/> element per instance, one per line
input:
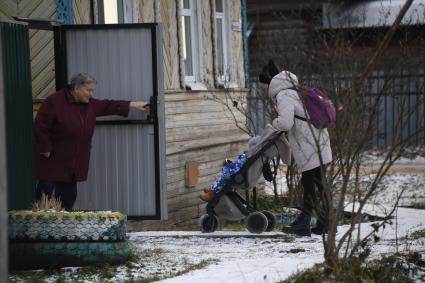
<point x="15" y="83"/>
<point x="127" y="165"/>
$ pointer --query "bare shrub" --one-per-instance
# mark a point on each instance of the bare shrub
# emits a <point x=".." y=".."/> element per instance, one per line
<point x="45" y="204"/>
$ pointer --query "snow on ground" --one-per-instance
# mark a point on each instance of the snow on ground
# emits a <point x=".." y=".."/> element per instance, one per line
<point x="392" y="184"/>
<point x="271" y="257"/>
<point x="240" y="258"/>
<point x="268" y="257"/>
<point x="228" y="256"/>
<point x="409" y="157"/>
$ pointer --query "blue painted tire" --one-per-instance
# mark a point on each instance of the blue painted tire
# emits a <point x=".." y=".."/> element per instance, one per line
<point x="48" y="255"/>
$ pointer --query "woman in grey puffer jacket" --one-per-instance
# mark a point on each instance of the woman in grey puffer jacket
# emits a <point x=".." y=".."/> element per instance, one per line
<point x="310" y="146"/>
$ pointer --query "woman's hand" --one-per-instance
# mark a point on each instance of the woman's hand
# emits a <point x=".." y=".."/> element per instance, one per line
<point x="139" y="105"/>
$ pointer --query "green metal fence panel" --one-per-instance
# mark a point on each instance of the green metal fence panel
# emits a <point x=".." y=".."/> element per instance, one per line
<point x="19" y="115"/>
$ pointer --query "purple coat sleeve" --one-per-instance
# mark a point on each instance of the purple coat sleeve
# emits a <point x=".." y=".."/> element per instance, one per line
<point x="106" y="107"/>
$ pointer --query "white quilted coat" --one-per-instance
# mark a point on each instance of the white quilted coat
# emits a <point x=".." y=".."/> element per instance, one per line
<point x="300" y="135"/>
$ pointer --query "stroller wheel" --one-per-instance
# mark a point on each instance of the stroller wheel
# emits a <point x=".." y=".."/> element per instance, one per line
<point x="256" y="222"/>
<point x="207" y="223"/>
<point x="239" y="179"/>
<point x="271" y="220"/>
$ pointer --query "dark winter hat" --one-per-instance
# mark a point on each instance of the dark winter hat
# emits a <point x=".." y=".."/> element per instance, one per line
<point x="268" y="72"/>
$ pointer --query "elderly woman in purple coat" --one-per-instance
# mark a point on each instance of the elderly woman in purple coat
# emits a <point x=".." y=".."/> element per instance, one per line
<point x="64" y="128"/>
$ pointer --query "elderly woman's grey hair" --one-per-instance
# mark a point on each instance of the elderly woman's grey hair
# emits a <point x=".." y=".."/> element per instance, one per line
<point x="81" y="79"/>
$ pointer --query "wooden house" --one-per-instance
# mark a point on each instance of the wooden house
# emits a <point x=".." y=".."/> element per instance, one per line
<point x="292" y="33"/>
<point x="203" y="55"/>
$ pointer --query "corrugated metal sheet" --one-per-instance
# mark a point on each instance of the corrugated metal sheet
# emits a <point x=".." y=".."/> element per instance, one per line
<point x="121" y="171"/>
<point x="401" y="110"/>
<point x="18" y="109"/>
<point x="127" y="169"/>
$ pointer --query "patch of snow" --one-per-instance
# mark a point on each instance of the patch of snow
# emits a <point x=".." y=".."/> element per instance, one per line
<point x="269" y="257"/>
<point x="411" y="156"/>
<point x="242" y="259"/>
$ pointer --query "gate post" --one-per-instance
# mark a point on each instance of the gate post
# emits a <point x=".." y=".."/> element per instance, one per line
<point x="3" y="176"/>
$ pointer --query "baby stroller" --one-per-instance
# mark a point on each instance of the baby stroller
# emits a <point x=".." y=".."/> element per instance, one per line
<point x="229" y="204"/>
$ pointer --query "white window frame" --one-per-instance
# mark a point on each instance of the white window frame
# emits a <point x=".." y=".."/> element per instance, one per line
<point x="224" y="51"/>
<point x="192" y="13"/>
<point x="127" y="11"/>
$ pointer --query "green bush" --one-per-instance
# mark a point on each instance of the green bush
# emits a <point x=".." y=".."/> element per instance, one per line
<point x="279" y="206"/>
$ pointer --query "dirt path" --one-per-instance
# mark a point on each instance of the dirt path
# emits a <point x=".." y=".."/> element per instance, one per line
<point x="398" y="168"/>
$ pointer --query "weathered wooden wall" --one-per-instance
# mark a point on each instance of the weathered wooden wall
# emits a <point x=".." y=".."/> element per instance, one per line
<point x="41" y="42"/>
<point x="170" y="50"/>
<point x="200" y="130"/>
<point x="197" y="128"/>
<point x="237" y="45"/>
<point x="83" y="11"/>
<point x="146" y="8"/>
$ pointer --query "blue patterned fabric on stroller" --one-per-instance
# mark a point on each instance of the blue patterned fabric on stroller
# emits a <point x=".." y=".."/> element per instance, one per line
<point x="228" y="203"/>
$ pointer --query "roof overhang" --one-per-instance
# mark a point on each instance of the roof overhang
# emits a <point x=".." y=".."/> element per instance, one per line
<point x="363" y="14"/>
<point x="42" y="24"/>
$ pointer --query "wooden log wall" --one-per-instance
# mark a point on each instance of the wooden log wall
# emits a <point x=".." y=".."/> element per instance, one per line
<point x="170" y="50"/>
<point x="197" y="128"/>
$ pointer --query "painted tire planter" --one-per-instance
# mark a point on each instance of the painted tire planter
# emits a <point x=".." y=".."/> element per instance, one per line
<point x="48" y="255"/>
<point x="45" y="239"/>
<point x="66" y="226"/>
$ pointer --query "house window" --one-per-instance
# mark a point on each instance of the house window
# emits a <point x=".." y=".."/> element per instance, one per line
<point x="111" y="11"/>
<point x="117" y="11"/>
<point x="221" y="40"/>
<point x="189" y="39"/>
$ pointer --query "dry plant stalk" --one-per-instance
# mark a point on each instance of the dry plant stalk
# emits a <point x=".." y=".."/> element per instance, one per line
<point x="340" y="62"/>
<point x="45" y="203"/>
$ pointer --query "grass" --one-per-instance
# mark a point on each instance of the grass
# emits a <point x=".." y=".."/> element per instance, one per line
<point x="398" y="268"/>
<point x="144" y="280"/>
<point x="231" y="226"/>
<point x="234" y="227"/>
<point x="268" y="202"/>
<point x="264" y="202"/>
<point x="417" y="235"/>
<point x="418" y="205"/>
<point x="143" y="266"/>
<point x="196" y="266"/>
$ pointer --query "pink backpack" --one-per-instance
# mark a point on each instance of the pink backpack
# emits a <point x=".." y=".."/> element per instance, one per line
<point x="320" y="109"/>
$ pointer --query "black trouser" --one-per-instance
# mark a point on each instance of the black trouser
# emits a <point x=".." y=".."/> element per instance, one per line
<point x="310" y="180"/>
<point x="65" y="191"/>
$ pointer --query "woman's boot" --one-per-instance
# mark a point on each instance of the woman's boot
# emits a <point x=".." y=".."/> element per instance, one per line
<point x="319" y="229"/>
<point x="300" y="227"/>
<point x="322" y="227"/>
